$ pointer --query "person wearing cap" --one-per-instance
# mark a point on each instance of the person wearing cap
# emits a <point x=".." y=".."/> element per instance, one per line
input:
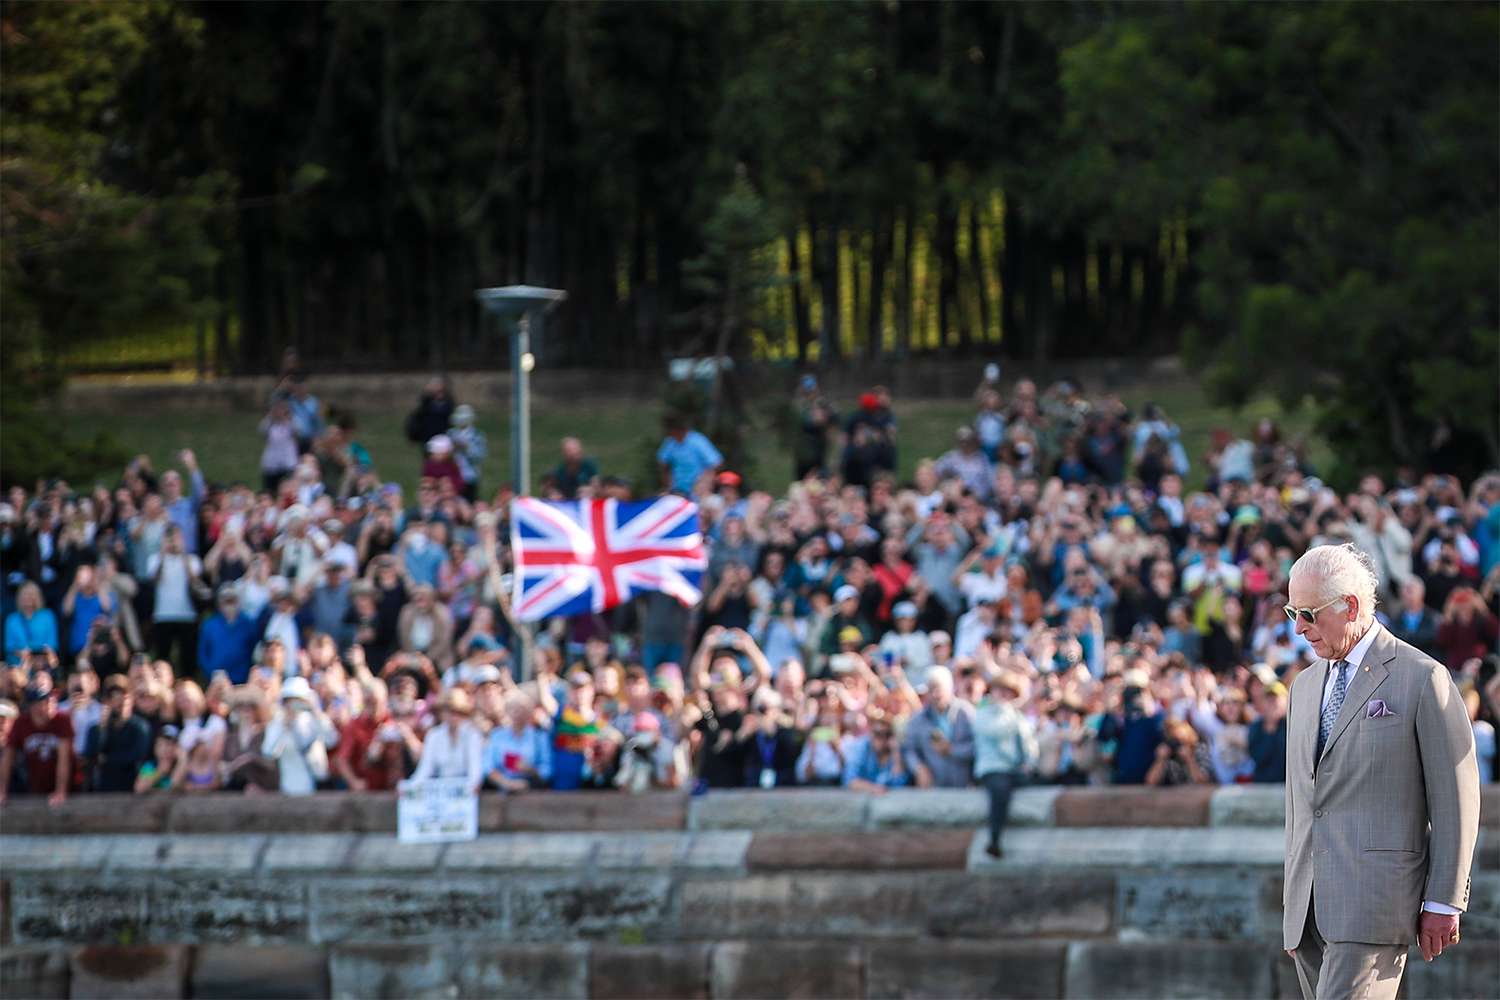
<point x="440" y="463"/>
<point x="1267" y="736"/>
<point x="1005" y="748"/>
<point x="939" y="740"/>
<point x="453" y="749"/>
<point x="42" y="738"/>
<point x="685" y="456"/>
<point x="816" y="422"/>
<point x="227" y="639"/>
<point x="905" y="644"/>
<point x="298" y="739"/>
<point x="966" y="462"/>
<point x="328" y="602"/>
<point x="845" y="617"/>
<point x="470" y="446"/>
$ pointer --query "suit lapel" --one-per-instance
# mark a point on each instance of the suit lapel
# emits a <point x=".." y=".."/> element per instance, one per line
<point x="1362" y="684"/>
<point x="1312" y="699"/>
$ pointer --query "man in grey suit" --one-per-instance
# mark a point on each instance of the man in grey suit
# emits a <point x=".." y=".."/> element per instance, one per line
<point x="1382" y="790"/>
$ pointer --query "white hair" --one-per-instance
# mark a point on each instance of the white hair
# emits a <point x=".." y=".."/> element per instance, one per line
<point x="1339" y="571"/>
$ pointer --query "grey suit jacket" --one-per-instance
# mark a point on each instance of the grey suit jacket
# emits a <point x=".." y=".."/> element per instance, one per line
<point x="1389" y="816"/>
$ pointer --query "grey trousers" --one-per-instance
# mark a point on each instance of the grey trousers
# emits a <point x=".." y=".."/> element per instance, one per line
<point x="1346" y="970"/>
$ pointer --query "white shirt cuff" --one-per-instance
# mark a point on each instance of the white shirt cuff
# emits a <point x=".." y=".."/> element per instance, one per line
<point x="1443" y="908"/>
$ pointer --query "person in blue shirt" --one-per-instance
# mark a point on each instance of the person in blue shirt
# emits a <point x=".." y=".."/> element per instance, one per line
<point x="227" y="640"/>
<point x="183" y="510"/>
<point x="875" y="763"/>
<point x="31" y="626"/>
<point x="82" y="605"/>
<point x="1138" y="731"/>
<point x="518" y="755"/>
<point x="684" y="456"/>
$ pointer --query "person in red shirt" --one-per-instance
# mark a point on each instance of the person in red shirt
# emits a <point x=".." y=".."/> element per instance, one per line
<point x="441" y="464"/>
<point x="372" y="747"/>
<point x="44" y="739"/>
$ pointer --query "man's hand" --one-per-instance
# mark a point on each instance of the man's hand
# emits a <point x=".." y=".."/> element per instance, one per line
<point x="1436" y="931"/>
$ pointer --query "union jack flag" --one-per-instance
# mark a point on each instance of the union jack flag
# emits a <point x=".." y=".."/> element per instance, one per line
<point x="577" y="556"/>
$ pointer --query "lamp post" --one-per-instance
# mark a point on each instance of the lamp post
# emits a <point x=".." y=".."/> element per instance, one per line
<point x="515" y="306"/>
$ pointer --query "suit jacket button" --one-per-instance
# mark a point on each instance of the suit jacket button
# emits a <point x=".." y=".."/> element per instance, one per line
<point x="1318" y="813"/>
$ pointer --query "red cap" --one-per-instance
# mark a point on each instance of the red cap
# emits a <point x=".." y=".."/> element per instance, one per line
<point x="727" y="478"/>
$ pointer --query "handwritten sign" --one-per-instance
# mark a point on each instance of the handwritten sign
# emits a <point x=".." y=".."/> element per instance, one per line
<point x="436" y="811"/>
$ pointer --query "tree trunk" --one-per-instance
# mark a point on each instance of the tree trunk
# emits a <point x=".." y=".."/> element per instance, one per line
<point x="981" y="285"/>
<point x="797" y="268"/>
<point x="880" y="253"/>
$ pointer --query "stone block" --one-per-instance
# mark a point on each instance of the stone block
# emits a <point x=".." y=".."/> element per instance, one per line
<point x="308" y="853"/>
<point x="1096" y="807"/>
<point x="644" y="972"/>
<point x="1132" y="848"/>
<point x="650" y="851"/>
<point x="925" y="808"/>
<point x="1469" y="972"/>
<point x="1212" y="906"/>
<point x="287" y="972"/>
<point x="1489" y="806"/>
<point x="898" y="970"/>
<point x="560" y="811"/>
<point x="56" y="853"/>
<point x="376" y="853"/>
<point x="610" y="907"/>
<point x="898" y="904"/>
<point x="124" y="972"/>
<point x="325" y="812"/>
<point x="525" y="852"/>
<point x="35" y="973"/>
<point x="244" y="910"/>
<point x="373" y="812"/>
<point x="86" y="814"/>
<point x="4" y="911"/>
<point x="1487" y="851"/>
<point x="789" y="809"/>
<point x="222" y="854"/>
<point x="1248" y="805"/>
<point x="1288" y="986"/>
<point x="405" y="909"/>
<point x="714" y="851"/>
<point x="394" y="971"/>
<point x="785" y="969"/>
<point x="77" y="909"/>
<point x="523" y="971"/>
<point x="894" y="850"/>
<point x="1102" y="970"/>
<point x="904" y="808"/>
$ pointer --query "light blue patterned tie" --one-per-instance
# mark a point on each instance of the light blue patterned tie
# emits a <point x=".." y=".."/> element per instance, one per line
<point x="1335" y="702"/>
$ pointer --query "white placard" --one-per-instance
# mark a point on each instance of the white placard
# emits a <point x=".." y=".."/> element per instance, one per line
<point x="436" y="811"/>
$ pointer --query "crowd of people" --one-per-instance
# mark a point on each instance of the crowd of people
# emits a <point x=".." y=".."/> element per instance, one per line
<point x="1046" y="601"/>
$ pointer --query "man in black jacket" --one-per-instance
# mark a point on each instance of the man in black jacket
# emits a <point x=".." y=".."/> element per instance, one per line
<point x="120" y="743"/>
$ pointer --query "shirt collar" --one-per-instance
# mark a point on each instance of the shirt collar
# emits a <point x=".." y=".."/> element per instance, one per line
<point x="1356" y="656"/>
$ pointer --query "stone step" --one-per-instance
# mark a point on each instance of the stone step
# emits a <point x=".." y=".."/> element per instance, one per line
<point x="780" y="810"/>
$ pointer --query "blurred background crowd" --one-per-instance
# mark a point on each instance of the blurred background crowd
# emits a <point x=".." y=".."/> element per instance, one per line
<point x="1043" y="602"/>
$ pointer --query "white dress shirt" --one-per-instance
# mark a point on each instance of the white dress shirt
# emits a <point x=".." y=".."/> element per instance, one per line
<point x="445" y="757"/>
<point x="1356" y="658"/>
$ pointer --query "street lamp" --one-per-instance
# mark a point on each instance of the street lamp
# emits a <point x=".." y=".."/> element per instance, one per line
<point x="514" y="306"/>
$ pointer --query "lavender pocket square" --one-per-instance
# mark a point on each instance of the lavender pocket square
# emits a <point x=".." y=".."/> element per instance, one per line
<point x="1377" y="709"/>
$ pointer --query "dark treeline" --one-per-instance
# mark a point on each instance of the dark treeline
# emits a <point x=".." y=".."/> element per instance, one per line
<point x="1296" y="197"/>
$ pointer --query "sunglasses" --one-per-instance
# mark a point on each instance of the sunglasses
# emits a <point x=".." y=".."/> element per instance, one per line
<point x="1308" y="615"/>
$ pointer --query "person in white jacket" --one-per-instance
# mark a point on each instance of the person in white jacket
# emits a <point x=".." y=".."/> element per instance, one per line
<point x="299" y="739"/>
<point x="454" y="748"/>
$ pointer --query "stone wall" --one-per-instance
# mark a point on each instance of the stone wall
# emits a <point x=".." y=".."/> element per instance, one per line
<point x="814" y="893"/>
